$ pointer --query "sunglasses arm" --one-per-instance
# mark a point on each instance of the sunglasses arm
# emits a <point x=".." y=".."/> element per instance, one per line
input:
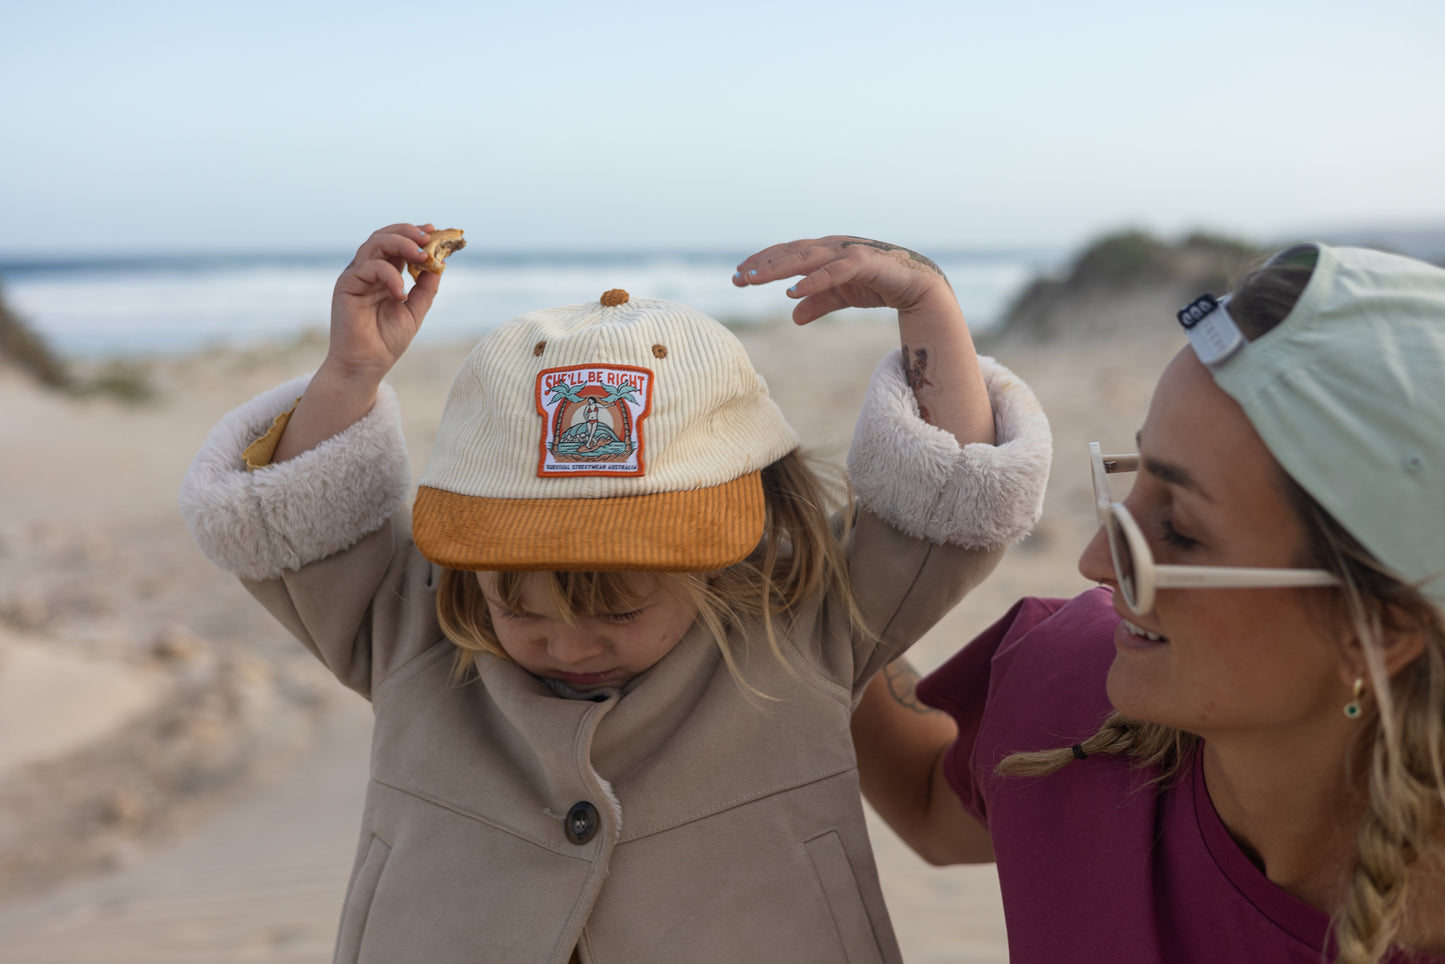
<point x="1219" y="577"/>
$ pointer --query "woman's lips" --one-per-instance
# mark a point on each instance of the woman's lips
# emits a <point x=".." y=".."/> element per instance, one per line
<point x="1133" y="636"/>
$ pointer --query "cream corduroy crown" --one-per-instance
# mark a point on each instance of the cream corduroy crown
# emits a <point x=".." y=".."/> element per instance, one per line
<point x="623" y="434"/>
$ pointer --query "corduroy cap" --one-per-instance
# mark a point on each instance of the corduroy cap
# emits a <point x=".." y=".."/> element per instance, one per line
<point x="1348" y="393"/>
<point x="623" y="434"/>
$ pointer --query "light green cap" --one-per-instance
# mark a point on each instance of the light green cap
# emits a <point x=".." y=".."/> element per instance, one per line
<point x="1348" y="393"/>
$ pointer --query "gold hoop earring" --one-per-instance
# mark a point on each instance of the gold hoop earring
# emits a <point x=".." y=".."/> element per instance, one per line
<point x="1352" y="708"/>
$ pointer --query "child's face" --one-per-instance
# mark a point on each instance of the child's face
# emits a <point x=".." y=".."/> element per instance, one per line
<point x="601" y="649"/>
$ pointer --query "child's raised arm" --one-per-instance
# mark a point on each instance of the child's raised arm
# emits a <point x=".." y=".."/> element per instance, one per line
<point x="938" y="353"/>
<point x="373" y="320"/>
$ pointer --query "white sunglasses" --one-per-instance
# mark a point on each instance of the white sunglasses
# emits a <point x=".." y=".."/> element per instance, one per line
<point x="1139" y="576"/>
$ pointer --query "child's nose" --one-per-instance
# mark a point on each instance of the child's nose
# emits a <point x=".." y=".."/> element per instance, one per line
<point x="571" y="644"/>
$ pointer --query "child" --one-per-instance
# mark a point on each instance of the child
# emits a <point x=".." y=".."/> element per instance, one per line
<point x="613" y="653"/>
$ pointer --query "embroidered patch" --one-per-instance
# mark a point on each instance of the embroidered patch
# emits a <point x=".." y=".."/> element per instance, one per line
<point x="592" y="419"/>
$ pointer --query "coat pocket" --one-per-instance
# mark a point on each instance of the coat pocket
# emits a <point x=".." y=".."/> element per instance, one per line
<point x="840" y="887"/>
<point x="358" y="901"/>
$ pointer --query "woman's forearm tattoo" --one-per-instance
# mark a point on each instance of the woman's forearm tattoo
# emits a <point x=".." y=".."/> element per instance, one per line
<point x="902" y="680"/>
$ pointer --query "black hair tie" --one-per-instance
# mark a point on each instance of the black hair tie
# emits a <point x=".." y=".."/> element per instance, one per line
<point x="1079" y="753"/>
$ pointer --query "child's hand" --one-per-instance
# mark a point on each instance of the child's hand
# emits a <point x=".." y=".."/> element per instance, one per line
<point x="373" y="318"/>
<point x="938" y="358"/>
<point x="847" y="272"/>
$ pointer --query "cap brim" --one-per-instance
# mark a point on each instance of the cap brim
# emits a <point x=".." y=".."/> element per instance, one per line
<point x="688" y="531"/>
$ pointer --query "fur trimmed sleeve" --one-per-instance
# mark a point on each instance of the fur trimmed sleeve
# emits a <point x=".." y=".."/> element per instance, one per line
<point x="918" y="480"/>
<point x="259" y="524"/>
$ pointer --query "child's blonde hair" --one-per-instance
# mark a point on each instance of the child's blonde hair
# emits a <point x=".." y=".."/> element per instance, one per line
<point x="799" y="560"/>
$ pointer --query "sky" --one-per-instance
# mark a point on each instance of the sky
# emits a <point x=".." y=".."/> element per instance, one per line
<point x="538" y="124"/>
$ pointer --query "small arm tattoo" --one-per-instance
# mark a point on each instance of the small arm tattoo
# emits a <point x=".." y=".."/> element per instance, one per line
<point x="902" y="680"/>
<point x="911" y="259"/>
<point x="916" y="367"/>
<point x="915" y="370"/>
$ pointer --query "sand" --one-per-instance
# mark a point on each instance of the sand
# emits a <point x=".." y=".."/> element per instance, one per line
<point x="180" y="781"/>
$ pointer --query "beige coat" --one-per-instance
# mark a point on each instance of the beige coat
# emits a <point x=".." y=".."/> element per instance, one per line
<point x="680" y="819"/>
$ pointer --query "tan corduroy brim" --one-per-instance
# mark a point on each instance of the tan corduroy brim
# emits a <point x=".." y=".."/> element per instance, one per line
<point x="688" y="531"/>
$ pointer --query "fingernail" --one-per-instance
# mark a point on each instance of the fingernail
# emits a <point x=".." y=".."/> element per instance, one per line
<point x="737" y="274"/>
<point x="793" y="290"/>
<point x="752" y="272"/>
<point x="421" y="250"/>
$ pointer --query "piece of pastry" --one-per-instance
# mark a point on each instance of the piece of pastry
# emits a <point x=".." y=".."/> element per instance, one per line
<point x="441" y="246"/>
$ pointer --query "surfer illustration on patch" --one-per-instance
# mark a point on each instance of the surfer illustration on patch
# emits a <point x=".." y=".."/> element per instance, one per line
<point x="592" y="419"/>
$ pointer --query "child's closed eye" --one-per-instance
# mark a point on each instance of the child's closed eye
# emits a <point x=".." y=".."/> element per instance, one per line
<point x="625" y="617"/>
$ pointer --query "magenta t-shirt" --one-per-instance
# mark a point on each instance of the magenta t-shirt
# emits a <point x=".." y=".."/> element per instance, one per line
<point x="1095" y="863"/>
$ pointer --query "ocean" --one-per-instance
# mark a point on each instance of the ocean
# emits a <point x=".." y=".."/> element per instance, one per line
<point x="149" y="305"/>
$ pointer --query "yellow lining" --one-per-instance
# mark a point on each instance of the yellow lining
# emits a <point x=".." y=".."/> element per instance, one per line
<point x="259" y="453"/>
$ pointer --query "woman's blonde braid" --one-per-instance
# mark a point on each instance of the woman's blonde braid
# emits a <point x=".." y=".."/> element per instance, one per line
<point x="1149" y="743"/>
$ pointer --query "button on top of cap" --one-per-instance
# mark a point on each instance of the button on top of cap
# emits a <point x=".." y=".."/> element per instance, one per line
<point x="615" y="297"/>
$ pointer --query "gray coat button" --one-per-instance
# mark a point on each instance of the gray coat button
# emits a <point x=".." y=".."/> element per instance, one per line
<point x="581" y="822"/>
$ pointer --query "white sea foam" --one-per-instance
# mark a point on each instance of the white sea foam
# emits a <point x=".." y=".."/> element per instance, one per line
<point x="145" y="306"/>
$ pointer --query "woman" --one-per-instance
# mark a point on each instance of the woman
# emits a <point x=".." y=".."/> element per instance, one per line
<point x="1235" y="748"/>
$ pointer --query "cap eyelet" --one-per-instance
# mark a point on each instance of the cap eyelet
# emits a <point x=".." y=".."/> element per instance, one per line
<point x="538" y="348"/>
<point x="659" y="351"/>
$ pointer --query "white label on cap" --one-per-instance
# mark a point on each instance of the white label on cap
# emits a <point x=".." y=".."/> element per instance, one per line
<point x="592" y="419"/>
<point x="1212" y="333"/>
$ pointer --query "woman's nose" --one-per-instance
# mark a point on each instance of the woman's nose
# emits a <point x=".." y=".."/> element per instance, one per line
<point x="1096" y="564"/>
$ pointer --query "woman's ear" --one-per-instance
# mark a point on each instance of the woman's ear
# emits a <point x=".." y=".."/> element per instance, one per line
<point x="1401" y="642"/>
